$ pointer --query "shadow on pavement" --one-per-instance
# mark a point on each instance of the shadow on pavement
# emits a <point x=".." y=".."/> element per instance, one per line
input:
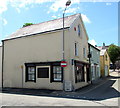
<point x="114" y="77"/>
<point x="97" y="92"/>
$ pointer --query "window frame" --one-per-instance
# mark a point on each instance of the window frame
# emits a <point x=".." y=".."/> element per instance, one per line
<point x="52" y="74"/>
<point x="41" y="67"/>
<point x="76" y="49"/>
<point x="57" y="73"/>
<point x="84" y="52"/>
<point x="27" y="74"/>
<point x="79" y="30"/>
<point x="79" y="73"/>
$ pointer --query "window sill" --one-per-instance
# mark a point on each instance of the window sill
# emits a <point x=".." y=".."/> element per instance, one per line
<point x="31" y="81"/>
<point x="76" y="56"/>
<point x="57" y="81"/>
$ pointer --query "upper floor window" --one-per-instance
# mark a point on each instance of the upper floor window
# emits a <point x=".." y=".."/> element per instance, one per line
<point x="84" y="52"/>
<point x="79" y="30"/>
<point x="76" y="49"/>
<point x="91" y="54"/>
<point x="106" y="57"/>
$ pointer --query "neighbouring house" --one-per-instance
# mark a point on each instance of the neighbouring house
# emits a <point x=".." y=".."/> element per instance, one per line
<point x="104" y="63"/>
<point x="0" y="66"/>
<point x="33" y="54"/>
<point x="103" y="47"/>
<point x="95" y="62"/>
<point x="117" y="64"/>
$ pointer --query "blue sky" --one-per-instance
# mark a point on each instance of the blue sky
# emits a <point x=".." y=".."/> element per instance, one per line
<point x="100" y="18"/>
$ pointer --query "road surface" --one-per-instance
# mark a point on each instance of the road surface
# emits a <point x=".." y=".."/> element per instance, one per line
<point x="105" y="93"/>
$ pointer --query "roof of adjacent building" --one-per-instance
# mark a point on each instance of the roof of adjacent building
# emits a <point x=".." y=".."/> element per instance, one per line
<point x="102" y="52"/>
<point x="44" y="27"/>
<point x="93" y="46"/>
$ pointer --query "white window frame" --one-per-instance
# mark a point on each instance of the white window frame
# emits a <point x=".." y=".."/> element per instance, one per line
<point x="31" y="73"/>
<point x="57" y="71"/>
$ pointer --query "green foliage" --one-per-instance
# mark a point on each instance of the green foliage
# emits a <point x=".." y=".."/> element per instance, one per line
<point x="27" y="24"/>
<point x="114" y="53"/>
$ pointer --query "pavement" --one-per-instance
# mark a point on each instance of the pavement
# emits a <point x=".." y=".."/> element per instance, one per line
<point x="80" y="93"/>
<point x="104" y="92"/>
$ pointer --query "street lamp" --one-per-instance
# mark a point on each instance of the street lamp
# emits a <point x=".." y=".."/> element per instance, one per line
<point x="67" y="4"/>
<point x="63" y="53"/>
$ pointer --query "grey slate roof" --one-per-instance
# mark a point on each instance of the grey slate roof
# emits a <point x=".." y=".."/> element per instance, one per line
<point x="44" y="27"/>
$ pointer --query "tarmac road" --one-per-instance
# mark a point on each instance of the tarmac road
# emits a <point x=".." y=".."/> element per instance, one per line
<point x="103" y="93"/>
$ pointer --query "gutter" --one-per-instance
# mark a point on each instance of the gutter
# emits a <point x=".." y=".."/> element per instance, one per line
<point x="34" y="34"/>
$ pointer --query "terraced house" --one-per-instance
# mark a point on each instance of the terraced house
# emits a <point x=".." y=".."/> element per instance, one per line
<point x="32" y="56"/>
<point x="95" y="62"/>
<point x="104" y="63"/>
<point x="104" y="60"/>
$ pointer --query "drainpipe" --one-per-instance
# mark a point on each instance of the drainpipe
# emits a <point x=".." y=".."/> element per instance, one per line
<point x="89" y="56"/>
<point x="2" y="60"/>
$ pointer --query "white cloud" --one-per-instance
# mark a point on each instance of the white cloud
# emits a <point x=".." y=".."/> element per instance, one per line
<point x="3" y="21"/>
<point x="56" y="4"/>
<point x="54" y="16"/>
<point x="48" y="12"/>
<point x="60" y="4"/>
<point x="93" y="42"/>
<point x="3" y="5"/>
<point x="71" y="10"/>
<point x="17" y="4"/>
<point x="85" y="18"/>
<point x="18" y="10"/>
<point x="108" y="4"/>
<point x="99" y="0"/>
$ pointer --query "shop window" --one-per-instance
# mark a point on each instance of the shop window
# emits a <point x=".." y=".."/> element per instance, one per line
<point x="79" y="72"/>
<point x="30" y="73"/>
<point x="57" y="73"/>
<point x="43" y="72"/>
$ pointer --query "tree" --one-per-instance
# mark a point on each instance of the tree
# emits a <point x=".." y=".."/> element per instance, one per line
<point x="27" y="24"/>
<point x="114" y="53"/>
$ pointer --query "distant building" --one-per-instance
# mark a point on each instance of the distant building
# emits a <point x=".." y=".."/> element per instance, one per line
<point x="95" y="62"/>
<point x="103" y="47"/>
<point x="104" y="63"/>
